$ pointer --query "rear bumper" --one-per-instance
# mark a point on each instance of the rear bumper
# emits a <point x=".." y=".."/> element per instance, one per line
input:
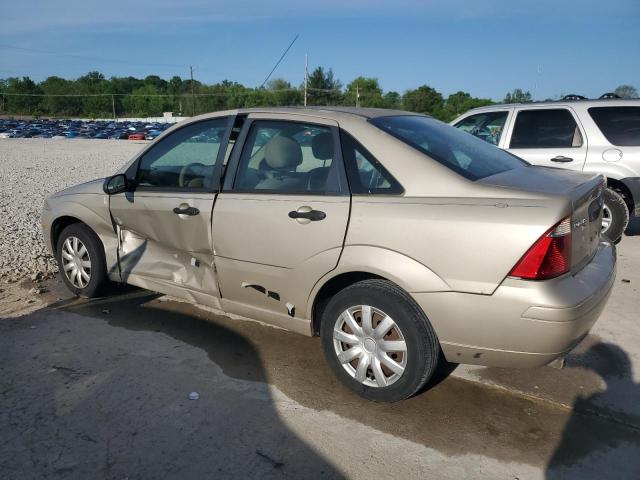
<point x="633" y="184"/>
<point x="524" y="323"/>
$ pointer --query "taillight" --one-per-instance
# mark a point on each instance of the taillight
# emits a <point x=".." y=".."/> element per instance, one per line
<point x="549" y="257"/>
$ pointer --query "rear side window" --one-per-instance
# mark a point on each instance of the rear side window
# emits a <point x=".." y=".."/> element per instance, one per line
<point x="486" y="126"/>
<point x="463" y="153"/>
<point x="366" y="174"/>
<point x="620" y="125"/>
<point x="545" y="128"/>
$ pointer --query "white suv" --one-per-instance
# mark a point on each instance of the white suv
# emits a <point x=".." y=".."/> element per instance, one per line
<point x="600" y="136"/>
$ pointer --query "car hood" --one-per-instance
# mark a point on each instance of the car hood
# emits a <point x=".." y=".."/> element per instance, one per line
<point x="92" y="187"/>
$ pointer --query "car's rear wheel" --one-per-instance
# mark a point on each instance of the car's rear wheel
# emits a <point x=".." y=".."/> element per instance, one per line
<point x="81" y="261"/>
<point x="378" y="341"/>
<point x="615" y="215"/>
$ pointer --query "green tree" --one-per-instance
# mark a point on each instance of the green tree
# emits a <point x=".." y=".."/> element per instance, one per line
<point x="626" y="91"/>
<point x="423" y="99"/>
<point x="392" y="100"/>
<point x="460" y="102"/>
<point x="368" y="90"/>
<point x="323" y="88"/>
<point x="23" y="101"/>
<point x="518" y="96"/>
<point x="283" y="94"/>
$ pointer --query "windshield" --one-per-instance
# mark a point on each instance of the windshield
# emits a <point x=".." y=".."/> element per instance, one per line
<point x="461" y="152"/>
<point x="621" y="125"/>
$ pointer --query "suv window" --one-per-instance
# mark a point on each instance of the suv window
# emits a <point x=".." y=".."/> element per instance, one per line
<point x="486" y="126"/>
<point x="620" y="125"/>
<point x="545" y="128"/>
<point x="185" y="159"/>
<point x="288" y="157"/>
<point x="366" y="175"/>
<point x="464" y="154"/>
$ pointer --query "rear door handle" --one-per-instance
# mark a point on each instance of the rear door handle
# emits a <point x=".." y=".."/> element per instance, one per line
<point x="303" y="213"/>
<point x="562" y="159"/>
<point x="186" y="210"/>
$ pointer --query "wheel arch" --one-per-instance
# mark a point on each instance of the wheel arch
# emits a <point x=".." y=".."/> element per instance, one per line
<point x="620" y="188"/>
<point x="58" y="225"/>
<point x="363" y="262"/>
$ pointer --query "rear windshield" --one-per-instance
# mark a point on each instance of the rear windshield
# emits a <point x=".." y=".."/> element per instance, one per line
<point x="620" y="125"/>
<point x="461" y="152"/>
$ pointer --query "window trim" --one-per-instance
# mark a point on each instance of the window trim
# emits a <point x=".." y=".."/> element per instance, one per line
<point x="234" y="162"/>
<point x="353" y="176"/>
<point x="214" y="179"/>
<point x="540" y="109"/>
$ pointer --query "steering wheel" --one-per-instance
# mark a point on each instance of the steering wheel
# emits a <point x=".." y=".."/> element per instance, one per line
<point x="188" y="172"/>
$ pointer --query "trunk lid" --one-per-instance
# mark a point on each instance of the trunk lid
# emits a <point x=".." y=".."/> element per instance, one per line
<point x="584" y="191"/>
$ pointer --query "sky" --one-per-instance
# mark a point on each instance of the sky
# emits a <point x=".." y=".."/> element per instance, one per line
<point x="484" y="47"/>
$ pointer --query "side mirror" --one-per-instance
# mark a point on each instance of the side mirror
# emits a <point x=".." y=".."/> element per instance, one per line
<point x="116" y="184"/>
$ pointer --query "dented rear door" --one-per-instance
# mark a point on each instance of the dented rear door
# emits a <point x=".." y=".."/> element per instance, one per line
<point x="164" y="225"/>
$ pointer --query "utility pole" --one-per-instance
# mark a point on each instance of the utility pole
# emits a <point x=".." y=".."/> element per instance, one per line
<point x="193" y="93"/>
<point x="357" y="96"/>
<point x="306" y="77"/>
<point x="113" y="106"/>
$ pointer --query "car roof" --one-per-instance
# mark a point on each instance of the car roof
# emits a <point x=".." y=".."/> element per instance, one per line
<point x="587" y="103"/>
<point x="335" y="113"/>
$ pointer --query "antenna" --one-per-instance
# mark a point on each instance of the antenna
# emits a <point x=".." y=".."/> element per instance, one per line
<point x="280" y="59"/>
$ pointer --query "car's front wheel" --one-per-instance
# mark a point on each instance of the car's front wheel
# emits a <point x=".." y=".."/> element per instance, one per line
<point x="81" y="260"/>
<point x="378" y="341"/>
<point x="615" y="215"/>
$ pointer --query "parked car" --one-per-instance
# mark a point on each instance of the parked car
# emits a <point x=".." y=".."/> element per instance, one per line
<point x="599" y="136"/>
<point x="396" y="238"/>
<point x="136" y="136"/>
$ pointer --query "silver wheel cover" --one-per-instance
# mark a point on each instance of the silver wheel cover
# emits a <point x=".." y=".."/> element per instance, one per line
<point x="76" y="263"/>
<point x="370" y="346"/>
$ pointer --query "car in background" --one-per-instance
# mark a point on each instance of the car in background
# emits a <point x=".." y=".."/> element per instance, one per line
<point x="99" y="129"/>
<point x="596" y="136"/>
<point x="136" y="136"/>
<point x="396" y="238"/>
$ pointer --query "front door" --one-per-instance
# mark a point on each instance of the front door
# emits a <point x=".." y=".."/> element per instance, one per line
<point x="550" y="137"/>
<point x="280" y="221"/>
<point x="164" y="225"/>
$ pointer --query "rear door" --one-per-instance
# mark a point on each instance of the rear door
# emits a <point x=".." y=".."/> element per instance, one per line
<point x="551" y="137"/>
<point x="280" y="221"/>
<point x="164" y="226"/>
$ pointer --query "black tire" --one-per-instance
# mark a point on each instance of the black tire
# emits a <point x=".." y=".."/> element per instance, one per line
<point x="615" y="204"/>
<point x="98" y="273"/>
<point x="422" y="346"/>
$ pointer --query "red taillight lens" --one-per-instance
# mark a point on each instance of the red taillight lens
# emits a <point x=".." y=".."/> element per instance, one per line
<point x="549" y="257"/>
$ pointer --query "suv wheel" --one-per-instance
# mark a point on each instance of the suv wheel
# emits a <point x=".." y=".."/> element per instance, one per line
<point x="80" y="257"/>
<point x="615" y="215"/>
<point x="378" y="341"/>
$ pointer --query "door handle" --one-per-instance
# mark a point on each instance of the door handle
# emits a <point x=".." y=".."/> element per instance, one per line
<point x="313" y="215"/>
<point x="562" y="159"/>
<point x="191" y="211"/>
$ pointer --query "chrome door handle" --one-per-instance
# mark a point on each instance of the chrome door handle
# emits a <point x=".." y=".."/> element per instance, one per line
<point x="562" y="159"/>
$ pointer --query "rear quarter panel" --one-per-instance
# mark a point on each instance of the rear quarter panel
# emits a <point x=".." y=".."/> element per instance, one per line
<point x="471" y="244"/>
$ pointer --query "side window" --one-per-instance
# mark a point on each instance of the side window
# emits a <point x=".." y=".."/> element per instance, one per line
<point x="486" y="126"/>
<point x="545" y="128"/>
<point x="288" y="157"/>
<point x="185" y="159"/>
<point x="366" y="175"/>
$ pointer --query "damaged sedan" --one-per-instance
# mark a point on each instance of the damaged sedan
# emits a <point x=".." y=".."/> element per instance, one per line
<point x="398" y="240"/>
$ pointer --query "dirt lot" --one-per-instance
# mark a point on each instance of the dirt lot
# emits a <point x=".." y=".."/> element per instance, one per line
<point x="99" y="389"/>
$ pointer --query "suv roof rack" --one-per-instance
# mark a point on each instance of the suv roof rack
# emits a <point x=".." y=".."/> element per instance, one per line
<point x="573" y="96"/>
<point x="609" y="95"/>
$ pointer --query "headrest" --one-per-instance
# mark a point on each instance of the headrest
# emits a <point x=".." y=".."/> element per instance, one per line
<point x="322" y="146"/>
<point x="283" y="153"/>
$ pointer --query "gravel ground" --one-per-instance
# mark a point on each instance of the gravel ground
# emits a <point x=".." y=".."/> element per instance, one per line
<point x="32" y="169"/>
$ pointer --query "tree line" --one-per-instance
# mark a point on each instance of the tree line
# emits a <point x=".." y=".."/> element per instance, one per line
<point x="94" y="96"/>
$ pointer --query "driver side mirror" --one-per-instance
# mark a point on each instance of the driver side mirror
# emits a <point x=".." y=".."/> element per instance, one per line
<point x="116" y="184"/>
